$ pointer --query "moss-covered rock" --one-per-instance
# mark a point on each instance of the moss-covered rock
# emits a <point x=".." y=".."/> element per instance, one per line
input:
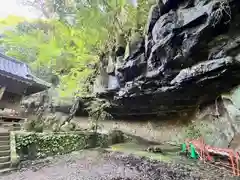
<point x="116" y="136"/>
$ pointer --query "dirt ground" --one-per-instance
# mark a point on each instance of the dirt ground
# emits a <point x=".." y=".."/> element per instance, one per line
<point x="102" y="165"/>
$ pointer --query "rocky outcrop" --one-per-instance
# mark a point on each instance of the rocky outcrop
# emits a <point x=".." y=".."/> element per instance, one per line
<point x="189" y="57"/>
<point x="47" y="111"/>
<point x="51" y="101"/>
<point x="219" y="123"/>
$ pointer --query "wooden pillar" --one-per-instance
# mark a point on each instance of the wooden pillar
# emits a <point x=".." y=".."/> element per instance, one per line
<point x="2" y="90"/>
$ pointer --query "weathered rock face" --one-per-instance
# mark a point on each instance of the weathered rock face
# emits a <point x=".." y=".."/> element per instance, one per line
<point x="190" y="56"/>
<point x="219" y="123"/>
<point x="51" y="102"/>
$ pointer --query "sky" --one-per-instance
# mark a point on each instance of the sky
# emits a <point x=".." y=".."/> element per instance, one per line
<point x="12" y="7"/>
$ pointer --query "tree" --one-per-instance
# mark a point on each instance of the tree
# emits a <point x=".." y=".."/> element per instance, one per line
<point x="50" y="8"/>
<point x="70" y="50"/>
<point x="60" y="48"/>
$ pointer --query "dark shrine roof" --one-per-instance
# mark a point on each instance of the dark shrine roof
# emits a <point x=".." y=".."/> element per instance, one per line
<point x="17" y="77"/>
<point x="13" y="68"/>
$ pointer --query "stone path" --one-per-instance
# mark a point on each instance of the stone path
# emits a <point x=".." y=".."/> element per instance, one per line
<point x="95" y="165"/>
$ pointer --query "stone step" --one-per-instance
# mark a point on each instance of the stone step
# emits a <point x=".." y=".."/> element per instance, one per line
<point x="6" y="170"/>
<point x="11" y="123"/>
<point x="5" y="153"/>
<point x="11" y="127"/>
<point x="4" y="159"/>
<point x="5" y="165"/>
<point x="7" y="127"/>
<point x="4" y="143"/>
<point x="4" y="148"/>
<point x="4" y="138"/>
<point x="4" y="134"/>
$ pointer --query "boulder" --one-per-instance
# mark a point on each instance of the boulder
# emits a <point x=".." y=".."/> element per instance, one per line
<point x="153" y="16"/>
<point x="219" y="122"/>
<point x="52" y="102"/>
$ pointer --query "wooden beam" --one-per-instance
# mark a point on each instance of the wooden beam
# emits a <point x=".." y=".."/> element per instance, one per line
<point x="2" y="90"/>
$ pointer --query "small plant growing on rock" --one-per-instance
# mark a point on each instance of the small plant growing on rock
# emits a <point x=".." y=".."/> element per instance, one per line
<point x="28" y="125"/>
<point x="33" y="125"/>
<point x="97" y="112"/>
<point x="192" y="132"/>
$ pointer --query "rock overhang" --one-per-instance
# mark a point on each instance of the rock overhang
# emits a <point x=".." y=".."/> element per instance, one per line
<point x="180" y="70"/>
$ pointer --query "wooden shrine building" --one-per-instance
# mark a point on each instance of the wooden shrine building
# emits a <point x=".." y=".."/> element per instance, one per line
<point x="16" y="81"/>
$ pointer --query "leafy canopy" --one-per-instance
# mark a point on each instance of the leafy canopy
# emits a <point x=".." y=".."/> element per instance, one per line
<point x="69" y="40"/>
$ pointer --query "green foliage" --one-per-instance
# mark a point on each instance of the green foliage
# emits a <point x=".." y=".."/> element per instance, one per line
<point x="70" y="40"/>
<point x="192" y="132"/>
<point x="97" y="109"/>
<point x="61" y="49"/>
<point x="10" y="21"/>
<point x="97" y="112"/>
<point x="55" y="144"/>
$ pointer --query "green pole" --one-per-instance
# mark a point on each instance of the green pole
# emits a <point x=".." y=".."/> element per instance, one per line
<point x="184" y="147"/>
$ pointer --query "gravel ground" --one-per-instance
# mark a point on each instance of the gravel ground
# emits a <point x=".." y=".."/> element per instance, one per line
<point x="97" y="165"/>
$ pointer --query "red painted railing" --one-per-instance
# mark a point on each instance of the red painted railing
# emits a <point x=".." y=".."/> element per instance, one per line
<point x="206" y="153"/>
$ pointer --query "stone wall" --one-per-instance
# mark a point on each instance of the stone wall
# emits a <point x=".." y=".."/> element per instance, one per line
<point x="39" y="145"/>
<point x="150" y="129"/>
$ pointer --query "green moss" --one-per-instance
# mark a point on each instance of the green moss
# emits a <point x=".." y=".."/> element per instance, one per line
<point x="192" y="132"/>
<point x="38" y="145"/>
<point x="136" y="149"/>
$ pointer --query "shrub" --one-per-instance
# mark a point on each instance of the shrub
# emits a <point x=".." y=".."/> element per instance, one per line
<point x="37" y="145"/>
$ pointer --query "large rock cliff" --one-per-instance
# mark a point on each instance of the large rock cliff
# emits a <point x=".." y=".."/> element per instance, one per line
<point x="189" y="56"/>
<point x="187" y="63"/>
